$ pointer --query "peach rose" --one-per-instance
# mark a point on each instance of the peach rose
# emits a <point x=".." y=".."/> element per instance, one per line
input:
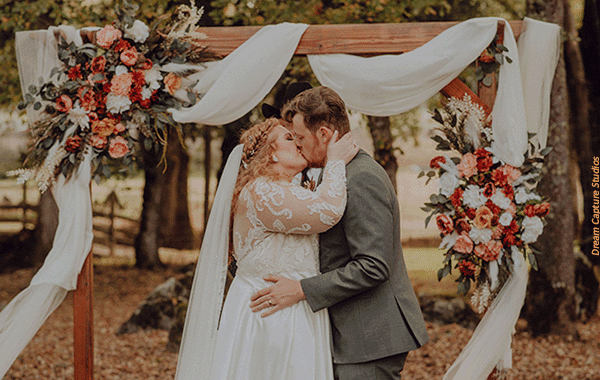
<point x="130" y="56"/>
<point x="107" y="35"/>
<point x="463" y="244"/>
<point x="104" y="127"/>
<point x="542" y="209"/>
<point x="120" y="85"/>
<point x="172" y="83"/>
<point x="146" y="65"/>
<point x="64" y="104"/>
<point x="483" y="217"/>
<point x="98" y="142"/>
<point x="445" y="224"/>
<point x="118" y="147"/>
<point x="462" y="226"/>
<point x="468" y="165"/>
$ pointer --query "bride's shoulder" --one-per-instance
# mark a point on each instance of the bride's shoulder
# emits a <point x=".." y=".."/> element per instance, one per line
<point x="263" y="185"/>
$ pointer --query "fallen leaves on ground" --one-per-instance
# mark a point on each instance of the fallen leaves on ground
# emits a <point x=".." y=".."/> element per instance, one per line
<point x="142" y="355"/>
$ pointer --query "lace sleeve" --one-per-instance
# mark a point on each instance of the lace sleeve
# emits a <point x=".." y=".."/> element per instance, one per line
<point x="285" y="207"/>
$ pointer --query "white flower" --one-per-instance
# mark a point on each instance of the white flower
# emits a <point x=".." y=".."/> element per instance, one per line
<point x="78" y="116"/>
<point x="522" y="196"/>
<point x="500" y="200"/>
<point x="480" y="235"/>
<point x="449" y="240"/>
<point x="449" y="166"/>
<point x="448" y="183"/>
<point x="153" y="74"/>
<point x="146" y="93"/>
<point x="138" y="32"/>
<point x="533" y="227"/>
<point x="117" y="104"/>
<point x="120" y="70"/>
<point x="505" y="219"/>
<point x="473" y="196"/>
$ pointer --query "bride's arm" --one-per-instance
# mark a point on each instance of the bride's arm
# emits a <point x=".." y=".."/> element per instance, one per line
<point x="288" y="208"/>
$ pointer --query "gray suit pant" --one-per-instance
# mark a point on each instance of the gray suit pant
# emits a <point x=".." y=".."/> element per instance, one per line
<point x="388" y="368"/>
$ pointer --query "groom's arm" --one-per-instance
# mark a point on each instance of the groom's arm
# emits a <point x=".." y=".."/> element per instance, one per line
<point x="368" y="225"/>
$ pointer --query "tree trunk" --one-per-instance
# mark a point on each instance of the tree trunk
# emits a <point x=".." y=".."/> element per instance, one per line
<point x="148" y="239"/>
<point x="383" y="143"/>
<point x="176" y="228"/>
<point x="550" y="301"/>
<point x="586" y="282"/>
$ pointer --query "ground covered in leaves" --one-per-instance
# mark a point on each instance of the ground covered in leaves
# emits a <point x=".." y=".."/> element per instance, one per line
<point x="142" y="355"/>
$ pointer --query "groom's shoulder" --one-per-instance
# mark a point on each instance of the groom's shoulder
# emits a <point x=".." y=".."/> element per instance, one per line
<point x="363" y="165"/>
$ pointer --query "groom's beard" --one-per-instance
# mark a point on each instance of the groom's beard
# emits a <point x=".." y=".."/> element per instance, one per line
<point x="315" y="164"/>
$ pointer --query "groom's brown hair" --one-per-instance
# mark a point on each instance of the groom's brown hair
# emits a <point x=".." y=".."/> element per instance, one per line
<point x="320" y="106"/>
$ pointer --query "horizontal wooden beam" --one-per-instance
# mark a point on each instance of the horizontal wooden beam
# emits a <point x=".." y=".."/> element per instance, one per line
<point x="360" y="39"/>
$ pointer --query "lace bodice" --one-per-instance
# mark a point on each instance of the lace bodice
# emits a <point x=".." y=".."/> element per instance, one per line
<point x="276" y="223"/>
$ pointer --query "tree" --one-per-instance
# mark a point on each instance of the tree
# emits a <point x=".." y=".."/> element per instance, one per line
<point x="550" y="300"/>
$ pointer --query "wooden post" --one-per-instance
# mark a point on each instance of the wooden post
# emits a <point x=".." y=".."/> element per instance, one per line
<point x="83" y="316"/>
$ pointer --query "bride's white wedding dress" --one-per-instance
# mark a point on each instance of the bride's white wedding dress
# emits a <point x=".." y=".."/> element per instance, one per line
<point x="274" y="232"/>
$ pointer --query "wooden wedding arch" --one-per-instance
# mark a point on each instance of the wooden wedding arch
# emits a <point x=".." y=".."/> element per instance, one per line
<point x="358" y="39"/>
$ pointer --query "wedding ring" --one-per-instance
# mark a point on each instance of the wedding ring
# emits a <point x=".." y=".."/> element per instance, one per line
<point x="270" y="303"/>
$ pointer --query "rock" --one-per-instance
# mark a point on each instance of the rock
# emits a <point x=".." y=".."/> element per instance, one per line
<point x="446" y="310"/>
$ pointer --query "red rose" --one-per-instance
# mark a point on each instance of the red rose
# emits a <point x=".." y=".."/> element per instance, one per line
<point x="509" y="240"/>
<point x="542" y="209"/>
<point x="93" y="116"/>
<point x="98" y="64"/>
<point x="495" y="220"/>
<point x="75" y="72"/>
<point x="118" y="147"/>
<point x="87" y="98"/>
<point x="499" y="177"/>
<point x="471" y="212"/>
<point x="492" y="206"/>
<point x="467" y="268"/>
<point x="509" y="192"/>
<point x="482" y="152"/>
<point x="489" y="190"/>
<point x="129" y="57"/>
<point x="456" y="197"/>
<point x="484" y="163"/>
<point x="512" y="228"/>
<point x="145" y="103"/>
<point x="64" y="104"/>
<point x="529" y="211"/>
<point x="98" y="142"/>
<point x="73" y="143"/>
<point x="138" y="77"/>
<point x="445" y="224"/>
<point x="462" y="226"/>
<point x="146" y="65"/>
<point x="122" y="45"/>
<point x="435" y="162"/>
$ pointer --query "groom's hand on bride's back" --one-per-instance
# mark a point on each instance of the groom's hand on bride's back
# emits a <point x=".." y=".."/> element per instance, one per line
<point x="283" y="293"/>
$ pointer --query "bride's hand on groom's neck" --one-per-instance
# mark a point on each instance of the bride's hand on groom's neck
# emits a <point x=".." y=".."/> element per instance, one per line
<point x="343" y="149"/>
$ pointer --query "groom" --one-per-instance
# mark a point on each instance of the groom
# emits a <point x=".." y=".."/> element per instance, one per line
<point x="375" y="315"/>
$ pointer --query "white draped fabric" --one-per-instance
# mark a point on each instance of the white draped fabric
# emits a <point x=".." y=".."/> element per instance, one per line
<point x="231" y="87"/>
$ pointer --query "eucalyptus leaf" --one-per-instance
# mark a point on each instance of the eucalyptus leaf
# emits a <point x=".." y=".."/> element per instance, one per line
<point x="421" y="174"/>
<point x="545" y="151"/>
<point x="37" y="106"/>
<point x="532" y="260"/>
<point x="487" y="81"/>
<point x="29" y="98"/>
<point x="508" y="59"/>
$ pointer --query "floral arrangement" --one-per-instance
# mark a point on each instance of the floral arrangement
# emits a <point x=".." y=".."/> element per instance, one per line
<point x="113" y="92"/>
<point x="486" y="210"/>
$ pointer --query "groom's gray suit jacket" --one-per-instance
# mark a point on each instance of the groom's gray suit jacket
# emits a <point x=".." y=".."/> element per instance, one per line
<point x="372" y="306"/>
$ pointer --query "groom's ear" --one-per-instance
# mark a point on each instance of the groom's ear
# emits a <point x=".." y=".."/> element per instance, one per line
<point x="324" y="134"/>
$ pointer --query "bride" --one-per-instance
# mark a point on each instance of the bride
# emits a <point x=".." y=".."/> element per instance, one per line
<point x="274" y="231"/>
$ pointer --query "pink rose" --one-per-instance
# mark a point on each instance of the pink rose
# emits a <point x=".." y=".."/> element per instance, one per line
<point x="489" y="251"/>
<point x="445" y="224"/>
<point x="172" y="83"/>
<point x="107" y="35"/>
<point x="468" y="165"/>
<point x="64" y="104"/>
<point x="130" y="56"/>
<point x="98" y="64"/>
<point x="511" y="173"/>
<point x="512" y="209"/>
<point x="467" y="268"/>
<point x="87" y="97"/>
<point x="121" y="84"/>
<point x="72" y="144"/>
<point x="118" y="147"/>
<point x="463" y="244"/>
<point x="98" y="142"/>
<point x="119" y="128"/>
<point x="483" y="217"/>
